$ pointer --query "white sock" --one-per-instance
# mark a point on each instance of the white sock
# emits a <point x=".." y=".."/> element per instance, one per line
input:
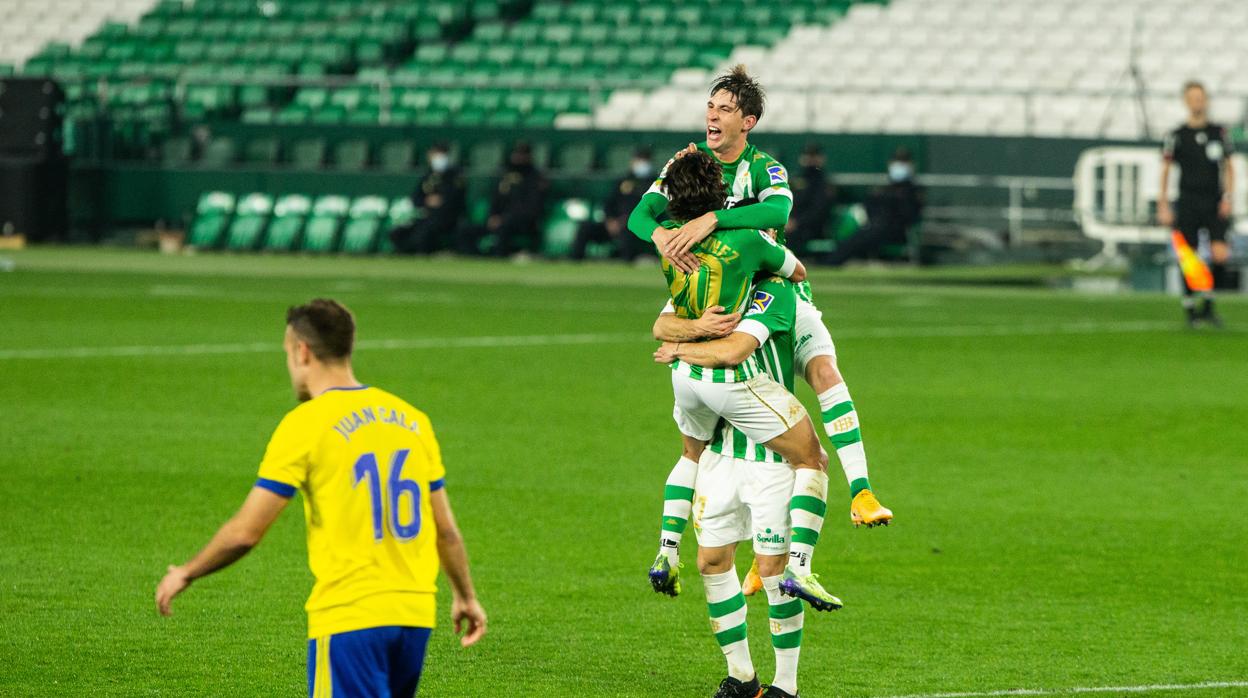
<point x="677" y="505"/>
<point x="727" y="609"/>
<point x="807" y="507"/>
<point x="786" y="617"/>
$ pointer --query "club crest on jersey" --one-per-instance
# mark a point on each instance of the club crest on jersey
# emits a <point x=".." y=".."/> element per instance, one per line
<point x="762" y="300"/>
<point x="777" y="174"/>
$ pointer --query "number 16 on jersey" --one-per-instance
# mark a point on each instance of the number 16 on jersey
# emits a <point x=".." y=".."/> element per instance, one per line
<point x="402" y="496"/>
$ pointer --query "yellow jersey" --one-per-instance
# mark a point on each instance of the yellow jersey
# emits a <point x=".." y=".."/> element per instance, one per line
<point x="366" y="462"/>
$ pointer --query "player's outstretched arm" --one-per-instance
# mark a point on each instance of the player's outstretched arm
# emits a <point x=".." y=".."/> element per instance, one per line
<point x="232" y="541"/>
<point x="764" y="215"/>
<point x="718" y="353"/>
<point x="713" y="323"/>
<point x="466" y="611"/>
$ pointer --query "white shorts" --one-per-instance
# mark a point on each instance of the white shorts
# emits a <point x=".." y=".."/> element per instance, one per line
<point x="813" y="338"/>
<point x="760" y="407"/>
<point x="736" y="500"/>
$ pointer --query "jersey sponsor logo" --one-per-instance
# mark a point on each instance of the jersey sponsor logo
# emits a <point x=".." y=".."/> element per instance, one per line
<point x="777" y="174"/>
<point x="1214" y="151"/>
<point x="762" y="301"/>
<point x="770" y="537"/>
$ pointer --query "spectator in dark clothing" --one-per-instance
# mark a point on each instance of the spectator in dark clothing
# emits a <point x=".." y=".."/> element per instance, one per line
<point x="614" y="226"/>
<point x="440" y="205"/>
<point x="813" y="198"/>
<point x="516" y="208"/>
<point x="891" y="211"/>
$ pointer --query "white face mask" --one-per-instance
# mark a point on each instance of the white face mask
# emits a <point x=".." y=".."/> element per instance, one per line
<point x="439" y="162"/>
<point x="899" y="171"/>
<point x="641" y="169"/>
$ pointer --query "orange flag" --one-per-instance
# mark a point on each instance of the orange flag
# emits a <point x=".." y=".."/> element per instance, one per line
<point x="1195" y="271"/>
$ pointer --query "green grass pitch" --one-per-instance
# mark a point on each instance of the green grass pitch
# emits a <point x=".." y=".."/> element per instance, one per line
<point x="1069" y="474"/>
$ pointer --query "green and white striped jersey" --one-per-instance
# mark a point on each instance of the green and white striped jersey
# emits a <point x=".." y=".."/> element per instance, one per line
<point x="754" y="176"/>
<point x="771" y="319"/>
<point x="730" y="260"/>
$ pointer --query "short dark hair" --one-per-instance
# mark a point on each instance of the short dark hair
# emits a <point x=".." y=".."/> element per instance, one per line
<point x="749" y="94"/>
<point x="1194" y="85"/>
<point x="326" y="326"/>
<point x="695" y="185"/>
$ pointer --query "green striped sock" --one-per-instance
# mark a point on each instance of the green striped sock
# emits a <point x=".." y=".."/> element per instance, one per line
<point x="807" y="508"/>
<point x="677" y="504"/>
<point x="726" y="605"/>
<point x="840" y="422"/>
<point x="786" y="618"/>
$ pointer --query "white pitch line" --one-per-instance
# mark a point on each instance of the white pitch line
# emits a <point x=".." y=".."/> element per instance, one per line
<point x="502" y="341"/>
<point x="276" y="347"/>
<point x="1208" y="685"/>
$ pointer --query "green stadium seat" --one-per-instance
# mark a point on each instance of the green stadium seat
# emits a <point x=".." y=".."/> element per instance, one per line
<point x="396" y="156"/>
<point x="364" y="223"/>
<point x="576" y="157"/>
<point x="220" y="152"/>
<point x="262" y="151"/>
<point x="402" y="211"/>
<point x="212" y="213"/>
<point x="486" y="156"/>
<point x="329" y="115"/>
<point x="308" y="153"/>
<point x="321" y="233"/>
<point x="250" y="217"/>
<point x="560" y="228"/>
<point x="351" y="155"/>
<point x="620" y="155"/>
<point x="289" y="215"/>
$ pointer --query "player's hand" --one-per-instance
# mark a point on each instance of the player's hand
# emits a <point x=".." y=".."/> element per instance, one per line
<point x="666" y="353"/>
<point x="691" y="233"/>
<point x="687" y="150"/>
<point x="1164" y="215"/>
<point x="175" y="582"/>
<point x="687" y="262"/>
<point x="1224" y="208"/>
<point x="469" y="619"/>
<point x="715" y="323"/>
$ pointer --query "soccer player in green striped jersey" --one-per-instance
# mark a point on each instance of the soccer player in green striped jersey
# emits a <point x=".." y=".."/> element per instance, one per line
<point x="758" y="196"/>
<point x="739" y="480"/>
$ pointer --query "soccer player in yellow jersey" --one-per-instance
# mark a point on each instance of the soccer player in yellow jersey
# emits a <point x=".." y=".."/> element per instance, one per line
<point x="379" y="521"/>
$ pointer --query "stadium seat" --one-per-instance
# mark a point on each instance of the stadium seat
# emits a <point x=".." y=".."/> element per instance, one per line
<point x="289" y="214"/>
<point x="396" y="156"/>
<point x="364" y="224"/>
<point x="351" y="155"/>
<point x="560" y="228"/>
<point x="308" y="153"/>
<point x="212" y="213"/>
<point x="250" y="218"/>
<point x="219" y="152"/>
<point x="262" y="151"/>
<point x="321" y="233"/>
<point x="176" y="151"/>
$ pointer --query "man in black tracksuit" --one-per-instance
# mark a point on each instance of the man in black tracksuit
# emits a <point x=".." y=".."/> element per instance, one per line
<point x="516" y="208"/>
<point x="813" y="198"/>
<point x="440" y="199"/>
<point x="614" y="226"/>
<point x="1202" y="150"/>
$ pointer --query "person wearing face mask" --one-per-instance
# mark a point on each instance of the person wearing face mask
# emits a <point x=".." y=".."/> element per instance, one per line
<point x="813" y="198"/>
<point x="891" y="211"/>
<point x="440" y="203"/>
<point x="516" y="208"/>
<point x="614" y="226"/>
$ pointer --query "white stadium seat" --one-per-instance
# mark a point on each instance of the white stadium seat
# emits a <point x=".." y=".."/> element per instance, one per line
<point x="930" y="66"/>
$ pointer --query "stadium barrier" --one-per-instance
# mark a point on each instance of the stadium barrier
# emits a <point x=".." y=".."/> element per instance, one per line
<point x="1116" y="191"/>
